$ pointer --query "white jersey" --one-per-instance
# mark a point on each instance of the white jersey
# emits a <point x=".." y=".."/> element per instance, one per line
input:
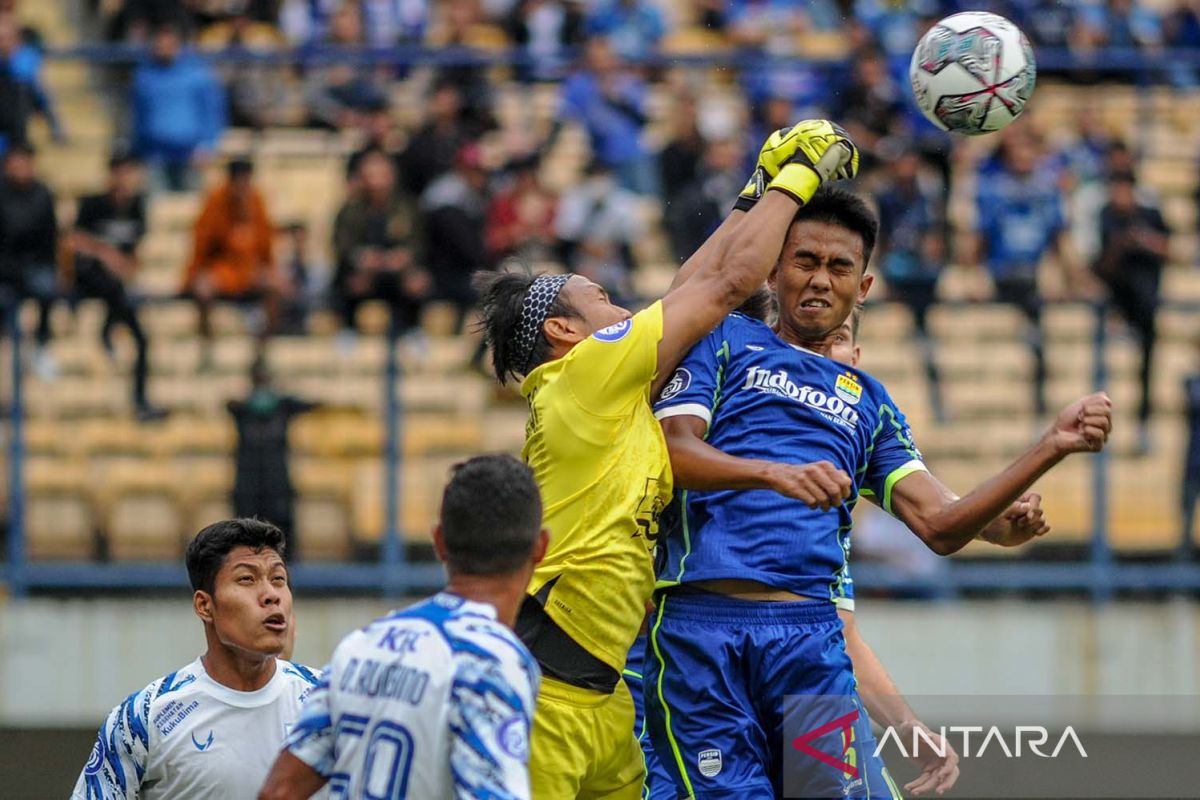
<point x="187" y="736"/>
<point x="432" y="702"/>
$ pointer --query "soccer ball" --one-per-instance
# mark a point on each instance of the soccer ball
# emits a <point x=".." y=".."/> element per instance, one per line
<point x="972" y="73"/>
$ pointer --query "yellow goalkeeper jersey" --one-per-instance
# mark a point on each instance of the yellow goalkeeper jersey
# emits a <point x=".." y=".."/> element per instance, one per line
<point x="601" y="462"/>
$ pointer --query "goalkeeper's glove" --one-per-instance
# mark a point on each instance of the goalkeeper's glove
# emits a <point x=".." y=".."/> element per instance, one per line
<point x="823" y="152"/>
<point x="779" y="148"/>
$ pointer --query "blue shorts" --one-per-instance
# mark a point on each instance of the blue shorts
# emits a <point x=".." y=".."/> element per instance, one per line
<point x="659" y="785"/>
<point x="757" y="700"/>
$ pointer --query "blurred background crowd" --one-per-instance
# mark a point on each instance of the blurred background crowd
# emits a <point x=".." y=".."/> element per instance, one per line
<point x="252" y="187"/>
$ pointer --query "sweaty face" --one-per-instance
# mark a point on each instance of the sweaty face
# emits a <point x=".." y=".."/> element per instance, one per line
<point x="819" y="279"/>
<point x="252" y="602"/>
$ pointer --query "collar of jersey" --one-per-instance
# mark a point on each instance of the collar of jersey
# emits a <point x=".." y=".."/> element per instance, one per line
<point x="793" y="346"/>
<point x="470" y="606"/>
<point x="259" y="697"/>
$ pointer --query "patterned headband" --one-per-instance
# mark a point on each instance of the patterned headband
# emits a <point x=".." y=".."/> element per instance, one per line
<point x="534" y="310"/>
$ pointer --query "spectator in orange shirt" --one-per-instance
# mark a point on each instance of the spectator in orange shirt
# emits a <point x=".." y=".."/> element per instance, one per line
<point x="233" y="259"/>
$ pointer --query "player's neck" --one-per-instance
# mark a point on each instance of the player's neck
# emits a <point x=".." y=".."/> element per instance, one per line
<point x="822" y="345"/>
<point x="237" y="669"/>
<point x="501" y="592"/>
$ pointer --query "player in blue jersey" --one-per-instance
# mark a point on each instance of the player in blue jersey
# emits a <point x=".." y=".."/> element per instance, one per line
<point x="436" y="701"/>
<point x="211" y="729"/>
<point x="769" y="439"/>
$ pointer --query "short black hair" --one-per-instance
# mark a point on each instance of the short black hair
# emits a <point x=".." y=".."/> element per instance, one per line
<point x="501" y="298"/>
<point x="759" y="306"/>
<point x="239" y="168"/>
<point x="20" y="147"/>
<point x="123" y="158"/>
<point x="208" y="550"/>
<point x="491" y="516"/>
<point x="840" y="207"/>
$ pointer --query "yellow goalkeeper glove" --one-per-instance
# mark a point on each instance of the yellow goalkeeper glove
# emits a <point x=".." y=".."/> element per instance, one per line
<point x="823" y="151"/>
<point x="780" y="148"/>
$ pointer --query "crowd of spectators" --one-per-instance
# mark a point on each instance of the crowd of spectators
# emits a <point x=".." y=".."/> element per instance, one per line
<point x="429" y="202"/>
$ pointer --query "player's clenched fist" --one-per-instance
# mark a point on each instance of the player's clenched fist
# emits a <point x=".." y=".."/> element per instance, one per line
<point x="817" y="485"/>
<point x="1023" y="521"/>
<point x="808" y="146"/>
<point x="1083" y="426"/>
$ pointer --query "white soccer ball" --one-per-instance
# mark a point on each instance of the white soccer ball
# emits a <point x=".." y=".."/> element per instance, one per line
<point x="972" y="73"/>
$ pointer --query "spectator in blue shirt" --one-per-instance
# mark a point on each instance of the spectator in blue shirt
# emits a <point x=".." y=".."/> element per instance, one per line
<point x="1021" y="219"/>
<point x="21" y="90"/>
<point x="634" y="27"/>
<point x="609" y="101"/>
<point x="178" y="111"/>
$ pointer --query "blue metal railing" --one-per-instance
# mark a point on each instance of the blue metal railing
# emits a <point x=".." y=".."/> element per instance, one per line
<point x="1100" y="575"/>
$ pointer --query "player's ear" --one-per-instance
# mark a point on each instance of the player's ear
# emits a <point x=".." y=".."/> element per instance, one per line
<point x="864" y="286"/>
<point x="854" y="359"/>
<point x="771" y="279"/>
<point x="564" y="331"/>
<point x="202" y="604"/>
<point x="540" y="546"/>
<point x="439" y="543"/>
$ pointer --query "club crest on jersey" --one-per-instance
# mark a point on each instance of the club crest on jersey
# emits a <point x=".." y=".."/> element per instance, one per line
<point x="831" y="407"/>
<point x="514" y="739"/>
<point x="848" y="388"/>
<point x="679" y="382"/>
<point x="207" y="744"/>
<point x="615" y="332"/>
<point x="709" y="763"/>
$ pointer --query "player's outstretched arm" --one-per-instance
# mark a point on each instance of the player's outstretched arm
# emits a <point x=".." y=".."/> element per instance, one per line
<point x="291" y="779"/>
<point x="888" y="707"/>
<point x="724" y="273"/>
<point x="698" y="465"/>
<point x="946" y="523"/>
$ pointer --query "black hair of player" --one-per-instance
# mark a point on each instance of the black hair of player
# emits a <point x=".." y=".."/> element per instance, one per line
<point x="840" y="207"/>
<point x="501" y="298"/>
<point x="491" y="516"/>
<point x="206" y="553"/>
<point x="759" y="306"/>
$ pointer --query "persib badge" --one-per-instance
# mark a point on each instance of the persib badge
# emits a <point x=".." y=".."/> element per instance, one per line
<point x="848" y="388"/>
<point x="615" y="332"/>
<point x="709" y="763"/>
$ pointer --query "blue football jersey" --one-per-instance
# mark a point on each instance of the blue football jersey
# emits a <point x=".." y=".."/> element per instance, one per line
<point x="763" y="398"/>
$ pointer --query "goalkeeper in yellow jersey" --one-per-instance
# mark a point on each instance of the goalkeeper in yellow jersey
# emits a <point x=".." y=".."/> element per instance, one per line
<point x="589" y="370"/>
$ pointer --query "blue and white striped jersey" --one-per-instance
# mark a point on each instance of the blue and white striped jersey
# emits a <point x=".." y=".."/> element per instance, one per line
<point x="435" y="701"/>
<point x="186" y="735"/>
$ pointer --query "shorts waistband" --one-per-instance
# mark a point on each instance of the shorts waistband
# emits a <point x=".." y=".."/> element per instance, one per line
<point x="701" y="606"/>
<point x="554" y="689"/>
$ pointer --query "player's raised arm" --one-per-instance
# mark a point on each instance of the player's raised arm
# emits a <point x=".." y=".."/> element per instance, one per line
<point x="946" y="523"/>
<point x="731" y="267"/>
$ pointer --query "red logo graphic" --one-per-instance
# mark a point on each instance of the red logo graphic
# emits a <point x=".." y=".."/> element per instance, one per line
<point x="845" y="723"/>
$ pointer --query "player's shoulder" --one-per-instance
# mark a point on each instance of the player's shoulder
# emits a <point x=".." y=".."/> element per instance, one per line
<point x="137" y="710"/>
<point x="298" y="674"/>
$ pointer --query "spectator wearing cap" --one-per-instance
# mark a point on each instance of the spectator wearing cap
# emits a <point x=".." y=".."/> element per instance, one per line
<point x="374" y="243"/>
<point x="609" y="101"/>
<point x="28" y="246"/>
<point x="1133" y="251"/>
<point x="634" y="27"/>
<point x="233" y="258"/>
<point x="178" y="112"/>
<point x="454" y="215"/>
<point x="108" y="228"/>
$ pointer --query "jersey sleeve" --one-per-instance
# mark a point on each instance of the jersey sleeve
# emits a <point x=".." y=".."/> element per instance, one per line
<point x="893" y="455"/>
<point x="491" y="716"/>
<point x="695" y="387"/>
<point x="614" y="367"/>
<point x="118" y="763"/>
<point x="312" y="737"/>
